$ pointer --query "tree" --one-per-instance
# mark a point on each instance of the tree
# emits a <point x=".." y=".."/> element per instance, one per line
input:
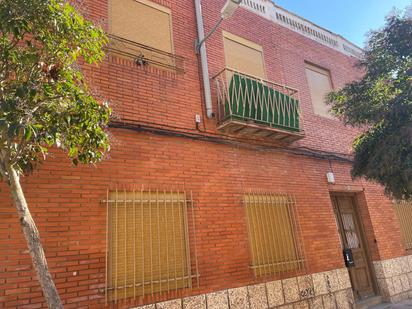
<point x="45" y="101"/>
<point x="381" y="102"/>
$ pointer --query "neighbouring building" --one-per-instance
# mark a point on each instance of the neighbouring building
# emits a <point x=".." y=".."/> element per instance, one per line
<point x="233" y="211"/>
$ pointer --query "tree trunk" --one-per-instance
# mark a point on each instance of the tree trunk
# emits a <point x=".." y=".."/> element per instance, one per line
<point x="33" y="241"/>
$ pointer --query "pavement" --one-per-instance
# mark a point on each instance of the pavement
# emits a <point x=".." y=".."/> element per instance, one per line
<point x="407" y="304"/>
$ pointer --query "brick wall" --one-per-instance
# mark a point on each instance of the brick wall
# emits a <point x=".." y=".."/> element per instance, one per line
<point x="66" y="206"/>
<point x="65" y="200"/>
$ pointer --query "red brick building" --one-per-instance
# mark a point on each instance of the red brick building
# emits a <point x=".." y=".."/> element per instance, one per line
<point x="233" y="211"/>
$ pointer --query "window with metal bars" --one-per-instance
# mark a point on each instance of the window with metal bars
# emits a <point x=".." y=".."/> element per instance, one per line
<point x="148" y="243"/>
<point x="273" y="234"/>
<point x="403" y="211"/>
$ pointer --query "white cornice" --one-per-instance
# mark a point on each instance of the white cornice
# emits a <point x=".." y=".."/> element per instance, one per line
<point x="267" y="9"/>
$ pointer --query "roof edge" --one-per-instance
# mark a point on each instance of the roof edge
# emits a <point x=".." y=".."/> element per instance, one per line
<point x="279" y="15"/>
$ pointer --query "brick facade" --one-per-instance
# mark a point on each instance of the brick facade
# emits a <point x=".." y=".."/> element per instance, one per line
<point x="66" y="200"/>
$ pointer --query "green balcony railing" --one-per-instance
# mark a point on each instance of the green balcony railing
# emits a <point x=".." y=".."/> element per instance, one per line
<point x="247" y="99"/>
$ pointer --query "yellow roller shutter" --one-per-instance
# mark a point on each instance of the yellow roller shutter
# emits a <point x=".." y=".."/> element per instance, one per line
<point x="273" y="234"/>
<point x="243" y="55"/>
<point x="143" y="22"/>
<point x="320" y="85"/>
<point x="404" y="212"/>
<point x="148" y="243"/>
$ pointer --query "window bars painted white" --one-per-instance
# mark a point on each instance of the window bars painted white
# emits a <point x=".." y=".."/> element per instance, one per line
<point x="274" y="234"/>
<point x="151" y="245"/>
<point x="403" y="211"/>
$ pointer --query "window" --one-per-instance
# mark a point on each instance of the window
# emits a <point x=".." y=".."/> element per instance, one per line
<point x="148" y="243"/>
<point x="320" y="85"/>
<point x="273" y="234"/>
<point x="403" y="211"/>
<point x="143" y="22"/>
<point x="142" y="30"/>
<point x="243" y="55"/>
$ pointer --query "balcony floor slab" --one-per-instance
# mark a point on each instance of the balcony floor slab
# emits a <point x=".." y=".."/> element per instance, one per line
<point x="250" y="129"/>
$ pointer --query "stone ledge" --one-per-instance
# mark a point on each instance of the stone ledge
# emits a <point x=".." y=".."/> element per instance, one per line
<point x="395" y="278"/>
<point x="330" y="289"/>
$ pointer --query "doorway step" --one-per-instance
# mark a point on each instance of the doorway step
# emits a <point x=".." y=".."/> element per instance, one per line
<point x="369" y="302"/>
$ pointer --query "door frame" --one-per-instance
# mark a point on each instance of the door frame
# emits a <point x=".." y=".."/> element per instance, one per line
<point x="354" y="197"/>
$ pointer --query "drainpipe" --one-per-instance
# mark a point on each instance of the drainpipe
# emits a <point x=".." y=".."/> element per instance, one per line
<point x="203" y="59"/>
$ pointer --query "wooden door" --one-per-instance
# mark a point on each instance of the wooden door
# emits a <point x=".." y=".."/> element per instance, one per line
<point x="352" y="237"/>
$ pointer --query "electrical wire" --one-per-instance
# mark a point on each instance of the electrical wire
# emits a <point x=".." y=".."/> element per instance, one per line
<point x="211" y="133"/>
<point x="226" y="140"/>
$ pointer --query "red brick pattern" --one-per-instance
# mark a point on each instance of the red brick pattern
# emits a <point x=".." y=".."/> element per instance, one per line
<point x="65" y="200"/>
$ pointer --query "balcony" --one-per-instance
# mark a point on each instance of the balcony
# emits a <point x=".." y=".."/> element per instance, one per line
<point x="252" y="107"/>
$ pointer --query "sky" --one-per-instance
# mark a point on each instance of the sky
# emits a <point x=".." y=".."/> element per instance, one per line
<point x="350" y="18"/>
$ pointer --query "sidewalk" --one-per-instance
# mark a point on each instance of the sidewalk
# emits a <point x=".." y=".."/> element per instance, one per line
<point x="407" y="304"/>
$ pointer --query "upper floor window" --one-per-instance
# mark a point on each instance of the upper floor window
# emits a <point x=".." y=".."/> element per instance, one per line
<point x="142" y="30"/>
<point x="320" y="84"/>
<point x="143" y="22"/>
<point x="243" y="55"/>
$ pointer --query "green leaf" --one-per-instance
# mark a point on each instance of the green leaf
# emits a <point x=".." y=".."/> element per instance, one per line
<point x="45" y="101"/>
<point x="381" y="102"/>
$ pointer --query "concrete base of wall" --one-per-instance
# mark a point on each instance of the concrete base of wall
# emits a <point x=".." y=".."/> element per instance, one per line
<point x="395" y="278"/>
<point x="325" y="290"/>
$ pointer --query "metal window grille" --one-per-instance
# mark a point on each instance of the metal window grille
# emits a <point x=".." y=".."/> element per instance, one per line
<point x="143" y="54"/>
<point x="273" y="234"/>
<point x="403" y="211"/>
<point x="148" y="247"/>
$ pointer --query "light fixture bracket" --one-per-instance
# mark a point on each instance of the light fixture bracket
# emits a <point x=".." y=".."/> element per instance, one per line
<point x="227" y="11"/>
